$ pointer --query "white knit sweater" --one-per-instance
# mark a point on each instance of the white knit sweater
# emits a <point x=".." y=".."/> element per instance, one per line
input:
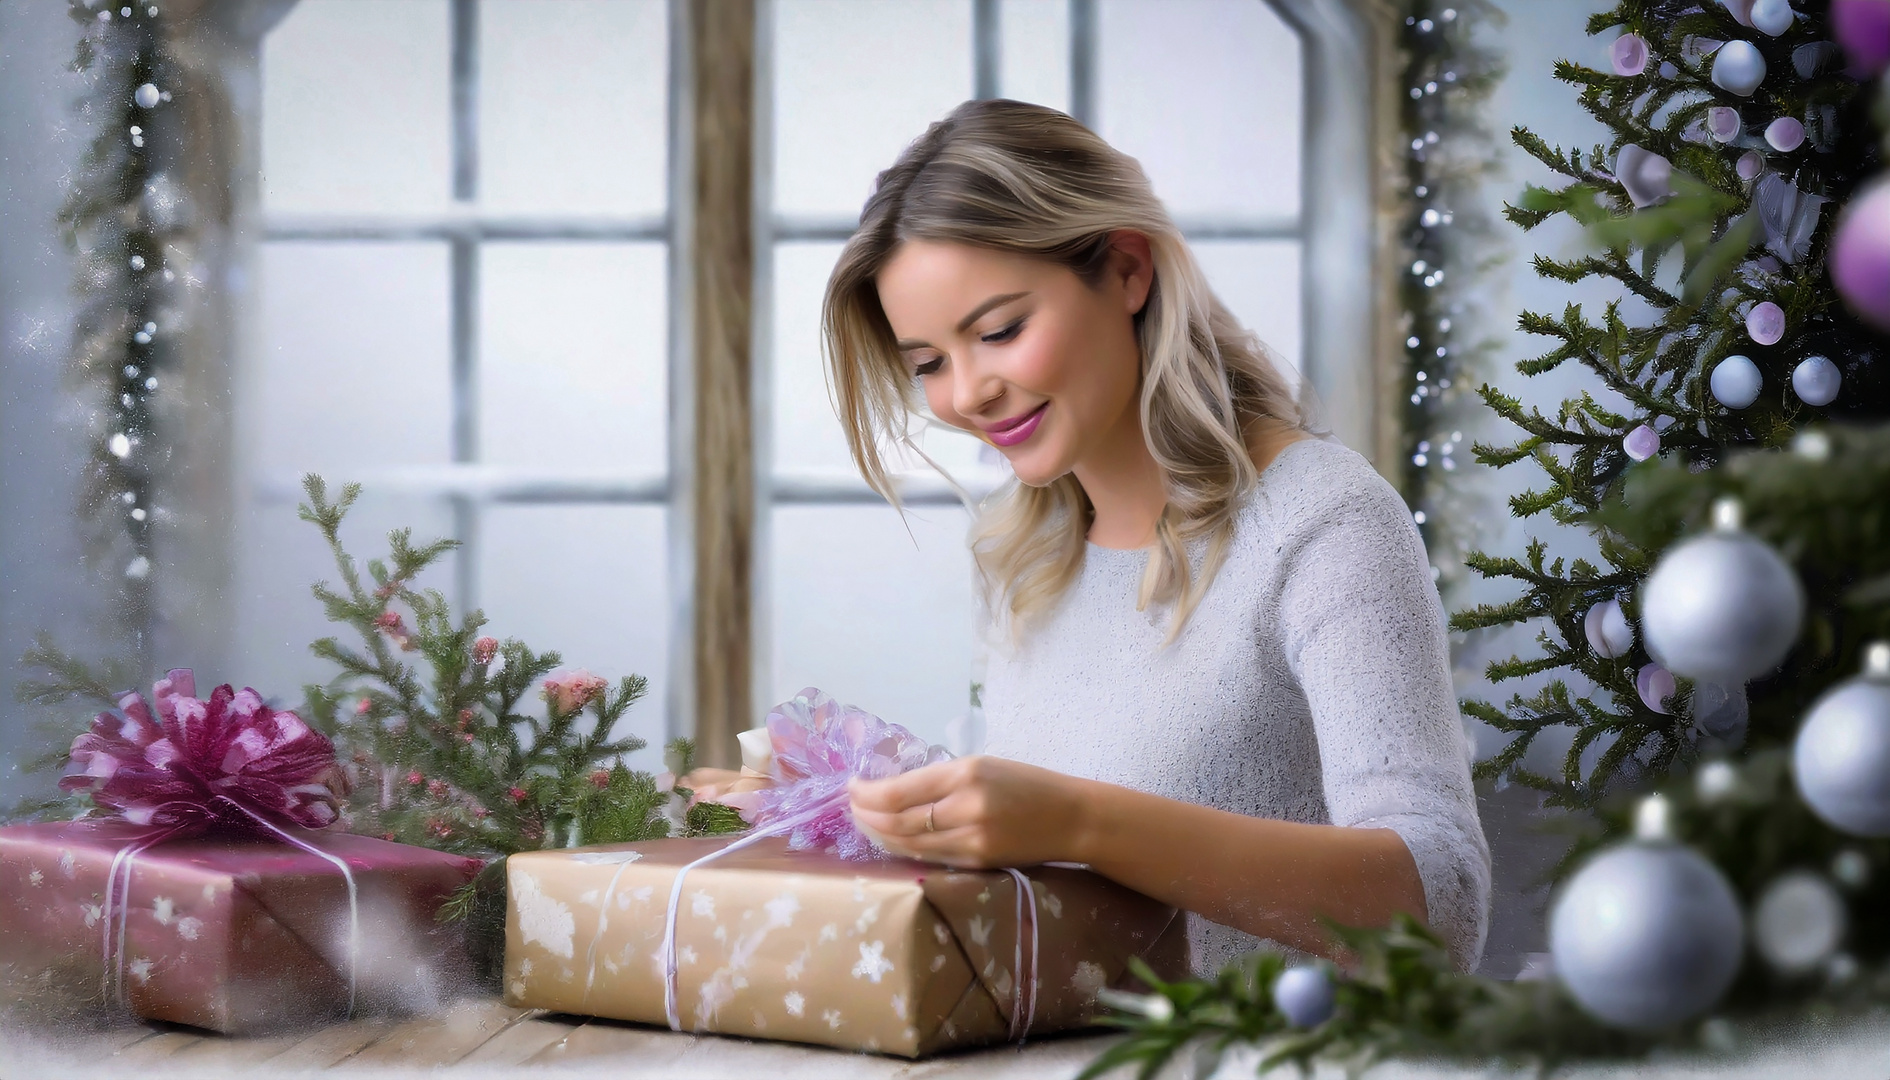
<point x="1312" y="685"/>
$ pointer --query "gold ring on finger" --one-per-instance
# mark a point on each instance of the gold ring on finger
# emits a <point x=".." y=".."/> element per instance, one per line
<point x="930" y="825"/>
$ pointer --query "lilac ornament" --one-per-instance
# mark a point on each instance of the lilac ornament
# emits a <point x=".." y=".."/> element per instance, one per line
<point x="1771" y="17"/>
<point x="1629" y="54"/>
<point x="1765" y="323"/>
<point x="1641" y="443"/>
<point x="1655" y="685"/>
<point x="1863" y="28"/>
<point x="1647" y="176"/>
<point x="1860" y="254"/>
<point x="1816" y="380"/>
<point x="1788" y="216"/>
<point x="1304" y="995"/>
<point x="1785" y="134"/>
<point x="1723" y="123"/>
<point x="1738" y="68"/>
<point x="1750" y="164"/>
<point x="1607" y="630"/>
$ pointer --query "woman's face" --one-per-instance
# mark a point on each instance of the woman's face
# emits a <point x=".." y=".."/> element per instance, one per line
<point x="1020" y="350"/>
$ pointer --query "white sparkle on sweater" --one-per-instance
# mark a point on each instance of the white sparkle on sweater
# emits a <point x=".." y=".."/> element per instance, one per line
<point x="1312" y="684"/>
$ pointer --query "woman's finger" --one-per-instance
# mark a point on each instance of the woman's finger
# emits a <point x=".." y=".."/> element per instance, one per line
<point x="923" y="785"/>
<point x="911" y="821"/>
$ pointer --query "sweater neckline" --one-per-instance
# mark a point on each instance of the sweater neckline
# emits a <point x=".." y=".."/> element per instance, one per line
<point x="1097" y="551"/>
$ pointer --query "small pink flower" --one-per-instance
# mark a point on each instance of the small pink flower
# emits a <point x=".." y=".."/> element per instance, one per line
<point x="436" y="788"/>
<point x="390" y="622"/>
<point x="466" y="738"/>
<point x="465" y="719"/>
<point x="387" y="591"/>
<point x="1629" y="54"/>
<point x="518" y="794"/>
<point x="572" y="691"/>
<point x="600" y="779"/>
<point x="361" y="707"/>
<point x="415" y="778"/>
<point x="481" y="813"/>
<point x="484" y="649"/>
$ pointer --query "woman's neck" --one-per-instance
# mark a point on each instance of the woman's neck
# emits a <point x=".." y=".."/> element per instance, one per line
<point x="1125" y="488"/>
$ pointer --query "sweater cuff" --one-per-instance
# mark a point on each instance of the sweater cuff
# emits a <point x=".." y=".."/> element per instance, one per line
<point x="1456" y="879"/>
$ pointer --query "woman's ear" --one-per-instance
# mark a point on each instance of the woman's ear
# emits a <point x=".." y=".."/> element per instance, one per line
<point x="1132" y="264"/>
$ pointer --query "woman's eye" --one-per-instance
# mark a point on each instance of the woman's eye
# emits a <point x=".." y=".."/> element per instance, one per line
<point x="930" y="367"/>
<point x="1006" y="334"/>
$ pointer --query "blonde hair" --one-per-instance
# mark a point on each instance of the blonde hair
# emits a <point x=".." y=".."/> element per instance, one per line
<point x="1025" y="179"/>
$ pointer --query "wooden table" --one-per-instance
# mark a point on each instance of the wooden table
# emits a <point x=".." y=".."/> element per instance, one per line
<point x="482" y="1038"/>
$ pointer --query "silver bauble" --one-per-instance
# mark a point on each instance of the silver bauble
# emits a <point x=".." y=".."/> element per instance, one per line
<point x="1723" y="607"/>
<point x="1720" y="714"/>
<point x="1646" y="935"/>
<point x="1798" y="923"/>
<point x="1738" y="68"/>
<point x="1607" y="630"/>
<point x="1736" y="382"/>
<point x="1841" y="759"/>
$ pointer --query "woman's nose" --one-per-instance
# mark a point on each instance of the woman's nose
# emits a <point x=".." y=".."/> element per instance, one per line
<point x="974" y="387"/>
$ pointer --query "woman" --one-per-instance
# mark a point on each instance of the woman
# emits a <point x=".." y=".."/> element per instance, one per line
<point x="1220" y="675"/>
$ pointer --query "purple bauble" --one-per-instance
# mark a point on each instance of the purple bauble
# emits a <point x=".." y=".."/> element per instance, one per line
<point x="1641" y="443"/>
<point x="1629" y="54"/>
<point x="1765" y="323"/>
<point x="1749" y="165"/>
<point x="1723" y="123"/>
<point x="1785" y="134"/>
<point x="1860" y="252"/>
<point x="1863" y="28"/>
<point x="1655" y="685"/>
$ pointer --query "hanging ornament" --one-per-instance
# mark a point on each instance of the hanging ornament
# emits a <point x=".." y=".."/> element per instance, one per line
<point x="1815" y="380"/>
<point x="1607" y="630"/>
<point x="1736" y="382"/>
<point x="1304" y="995"/>
<point x="1647" y="934"/>
<point x="1628" y="54"/>
<point x="147" y="96"/>
<point x="1750" y="164"/>
<point x="1863" y="28"/>
<point x="1772" y="17"/>
<point x="1785" y="134"/>
<point x="1723" y="123"/>
<point x="1720" y="713"/>
<point x="1765" y="323"/>
<point x="1841" y="758"/>
<point x="1860" y="254"/>
<point x="1798" y="923"/>
<point x="1647" y="177"/>
<point x="1738" y="68"/>
<point x="1641" y="443"/>
<point x="1722" y="607"/>
<point x="1656" y="687"/>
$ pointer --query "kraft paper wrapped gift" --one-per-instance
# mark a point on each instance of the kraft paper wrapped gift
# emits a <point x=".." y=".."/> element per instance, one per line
<point x="234" y="934"/>
<point x="892" y="955"/>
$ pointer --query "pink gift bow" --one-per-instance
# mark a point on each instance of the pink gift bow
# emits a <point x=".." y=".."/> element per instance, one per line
<point x="820" y="745"/>
<point x="229" y="762"/>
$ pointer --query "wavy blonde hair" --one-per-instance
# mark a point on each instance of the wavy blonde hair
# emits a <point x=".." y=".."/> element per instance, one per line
<point x="1030" y="180"/>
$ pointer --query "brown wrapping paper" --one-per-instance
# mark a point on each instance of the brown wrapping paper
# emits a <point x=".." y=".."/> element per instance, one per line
<point x="234" y="935"/>
<point x="894" y="956"/>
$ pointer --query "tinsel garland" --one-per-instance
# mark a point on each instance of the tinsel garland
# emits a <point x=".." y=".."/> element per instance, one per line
<point x="128" y="224"/>
<point x="1447" y="78"/>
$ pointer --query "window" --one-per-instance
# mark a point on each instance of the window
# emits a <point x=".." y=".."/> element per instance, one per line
<point x="469" y="297"/>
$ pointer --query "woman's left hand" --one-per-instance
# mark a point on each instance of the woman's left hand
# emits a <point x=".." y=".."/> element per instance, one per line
<point x="983" y="811"/>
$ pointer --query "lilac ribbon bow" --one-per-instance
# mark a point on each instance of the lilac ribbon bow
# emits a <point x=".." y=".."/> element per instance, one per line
<point x="229" y="762"/>
<point x="819" y="745"/>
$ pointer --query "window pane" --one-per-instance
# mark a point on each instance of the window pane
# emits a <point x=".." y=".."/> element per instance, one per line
<point x="353" y="369"/>
<point x="1034" y="51"/>
<point x="573" y="105"/>
<point x="861" y="613"/>
<point x="573" y="367"/>
<point x="591" y="582"/>
<point x="356" y="108"/>
<point x="1231" y="68"/>
<point x="1259" y="281"/>
<point x="854" y="83"/>
<point x="278" y="557"/>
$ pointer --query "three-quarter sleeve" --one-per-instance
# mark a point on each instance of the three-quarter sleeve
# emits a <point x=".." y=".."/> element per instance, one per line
<point x="1364" y="635"/>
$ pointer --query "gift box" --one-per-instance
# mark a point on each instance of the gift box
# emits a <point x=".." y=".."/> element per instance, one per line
<point x="235" y="933"/>
<point x="886" y="955"/>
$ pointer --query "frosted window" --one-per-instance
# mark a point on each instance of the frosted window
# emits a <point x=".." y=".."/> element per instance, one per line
<point x="355" y="108"/>
<point x="854" y="83"/>
<point x="591" y="582"/>
<point x="573" y="371"/>
<point x="279" y="556"/>
<point x="1034" y="51"/>
<point x="1259" y="280"/>
<point x="573" y="113"/>
<point x="863" y="614"/>
<point x="353" y="370"/>
<point x="1206" y="94"/>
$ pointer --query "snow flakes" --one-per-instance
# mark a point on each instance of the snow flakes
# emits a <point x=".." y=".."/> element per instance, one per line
<point x="1052" y="904"/>
<point x="141" y="969"/>
<point x="1089" y="978"/>
<point x="829" y="932"/>
<point x="796" y="966"/>
<point x="981" y="928"/>
<point x="795" y="1003"/>
<point x="36" y="879"/>
<point x="164" y="909"/>
<point x="701" y="904"/>
<point x="873" y="963"/>
<point x="938" y="961"/>
<point x="68" y="865"/>
<point x="542" y="919"/>
<point x="938" y="931"/>
<point x="189" y="927"/>
<point x="832" y="1017"/>
<point x="781" y="910"/>
<point x="899" y="1006"/>
<point x="92" y="913"/>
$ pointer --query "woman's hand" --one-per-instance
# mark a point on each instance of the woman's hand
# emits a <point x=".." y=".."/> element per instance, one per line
<point x="984" y="812"/>
<point x="711" y="785"/>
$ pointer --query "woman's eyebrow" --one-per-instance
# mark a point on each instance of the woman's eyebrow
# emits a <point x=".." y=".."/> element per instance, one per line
<point x="908" y="344"/>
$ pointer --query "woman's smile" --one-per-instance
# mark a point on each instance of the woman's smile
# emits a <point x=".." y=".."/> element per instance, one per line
<point x="1013" y="432"/>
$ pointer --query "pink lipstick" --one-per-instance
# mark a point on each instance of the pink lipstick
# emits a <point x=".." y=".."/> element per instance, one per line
<point x="1021" y="430"/>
